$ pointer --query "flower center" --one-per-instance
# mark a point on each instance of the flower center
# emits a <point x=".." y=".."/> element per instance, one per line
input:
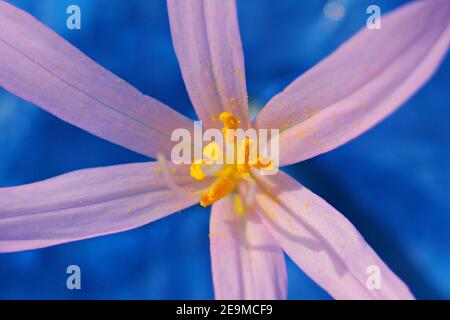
<point x="230" y="164"/>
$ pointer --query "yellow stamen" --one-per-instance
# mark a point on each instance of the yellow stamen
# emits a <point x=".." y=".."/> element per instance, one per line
<point x="196" y="170"/>
<point x="228" y="175"/>
<point x="243" y="156"/>
<point x="229" y="121"/>
<point x="219" y="189"/>
<point x="238" y="205"/>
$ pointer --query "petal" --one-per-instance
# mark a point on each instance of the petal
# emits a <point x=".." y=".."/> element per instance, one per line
<point x="246" y="261"/>
<point x="323" y="243"/>
<point x="87" y="203"/>
<point x="365" y="80"/>
<point x="41" y="67"/>
<point x="209" y="49"/>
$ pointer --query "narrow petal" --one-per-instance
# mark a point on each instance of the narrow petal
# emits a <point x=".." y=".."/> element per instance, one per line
<point x="246" y="261"/>
<point x="323" y="243"/>
<point x="87" y="203"/>
<point x="41" y="67"/>
<point x="209" y="49"/>
<point x="365" y="80"/>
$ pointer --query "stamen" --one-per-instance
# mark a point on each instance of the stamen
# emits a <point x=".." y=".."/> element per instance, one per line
<point x="228" y="176"/>
<point x="243" y="156"/>
<point x="196" y="170"/>
<point x="238" y="205"/>
<point x="219" y="189"/>
<point x="229" y="121"/>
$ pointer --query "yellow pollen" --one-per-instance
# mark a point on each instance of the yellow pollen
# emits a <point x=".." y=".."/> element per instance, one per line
<point x="229" y="121"/>
<point x="238" y="205"/>
<point x="227" y="176"/>
<point x="196" y="170"/>
<point x="219" y="189"/>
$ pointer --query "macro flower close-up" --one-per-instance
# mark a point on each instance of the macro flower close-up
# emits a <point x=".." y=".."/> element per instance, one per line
<point x="259" y="216"/>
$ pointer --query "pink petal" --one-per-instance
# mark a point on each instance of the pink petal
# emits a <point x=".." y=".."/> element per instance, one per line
<point x="41" y="67"/>
<point x="365" y="80"/>
<point x="208" y="46"/>
<point x="323" y="243"/>
<point x="87" y="203"/>
<point x="246" y="262"/>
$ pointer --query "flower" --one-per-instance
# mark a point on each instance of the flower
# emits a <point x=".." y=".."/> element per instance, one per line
<point x="365" y="80"/>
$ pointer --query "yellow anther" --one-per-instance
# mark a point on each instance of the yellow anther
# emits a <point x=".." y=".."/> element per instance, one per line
<point x="196" y="170"/>
<point x="229" y="121"/>
<point x="243" y="168"/>
<point x="227" y="171"/>
<point x="227" y="176"/>
<point x="219" y="189"/>
<point x="238" y="205"/>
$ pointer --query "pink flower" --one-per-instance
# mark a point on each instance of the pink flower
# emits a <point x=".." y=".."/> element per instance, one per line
<point x="365" y="80"/>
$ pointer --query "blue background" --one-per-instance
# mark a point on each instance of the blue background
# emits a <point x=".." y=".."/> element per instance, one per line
<point x="392" y="183"/>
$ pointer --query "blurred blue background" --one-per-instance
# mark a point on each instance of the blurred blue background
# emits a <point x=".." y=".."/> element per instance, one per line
<point x="393" y="182"/>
